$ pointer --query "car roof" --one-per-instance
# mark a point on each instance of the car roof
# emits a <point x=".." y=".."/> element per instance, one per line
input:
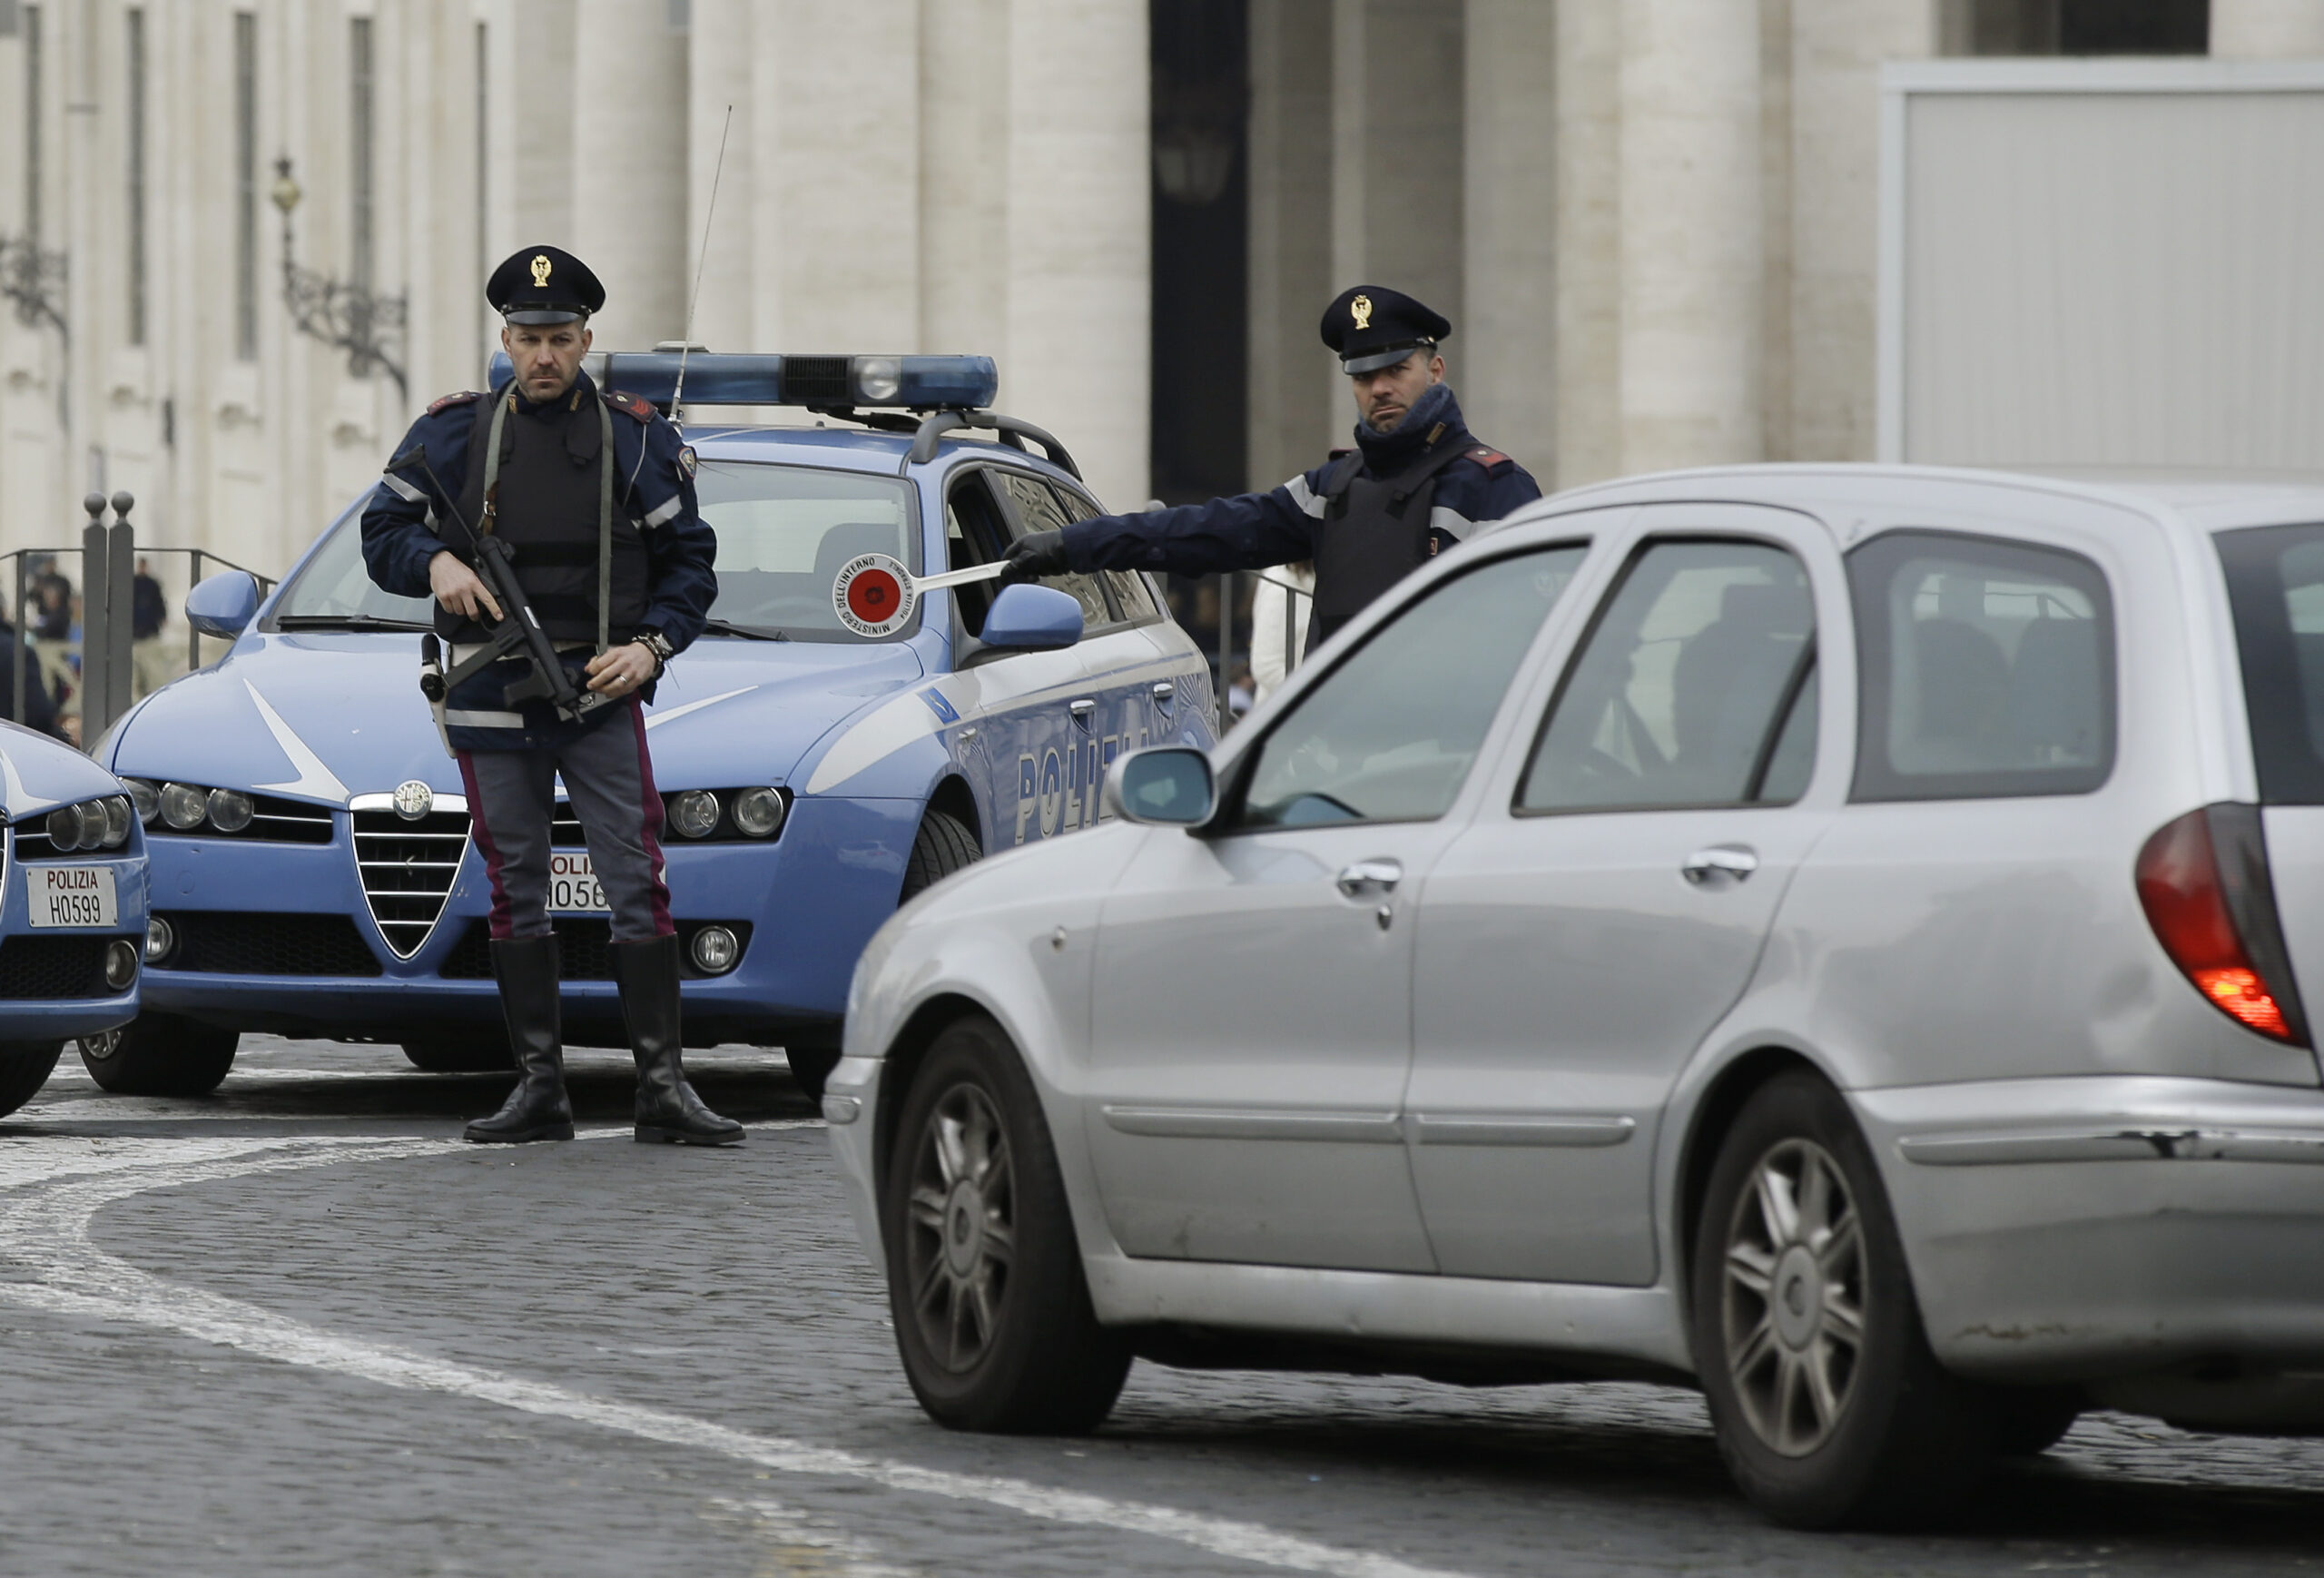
<point x="2208" y="501"/>
<point x="845" y="447"/>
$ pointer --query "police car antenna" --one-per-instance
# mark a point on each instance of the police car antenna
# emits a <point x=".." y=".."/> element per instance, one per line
<point x="701" y="258"/>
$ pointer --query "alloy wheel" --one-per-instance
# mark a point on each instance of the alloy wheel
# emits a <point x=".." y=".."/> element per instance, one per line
<point x="962" y="1239"/>
<point x="1793" y="1303"/>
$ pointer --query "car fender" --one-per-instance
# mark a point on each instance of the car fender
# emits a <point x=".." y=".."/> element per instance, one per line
<point x="1027" y="961"/>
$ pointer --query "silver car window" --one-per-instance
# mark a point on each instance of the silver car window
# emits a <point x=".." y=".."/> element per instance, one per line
<point x="1696" y="687"/>
<point x="1389" y="734"/>
<point x="1987" y="669"/>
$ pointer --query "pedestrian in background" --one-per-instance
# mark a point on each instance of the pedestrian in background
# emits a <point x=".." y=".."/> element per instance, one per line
<point x="40" y="703"/>
<point x="151" y="665"/>
<point x="1280" y="604"/>
<point x="1416" y="482"/>
<point x="595" y="490"/>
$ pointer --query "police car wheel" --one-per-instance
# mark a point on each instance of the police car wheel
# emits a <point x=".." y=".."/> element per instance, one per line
<point x="943" y="845"/>
<point x="990" y="1308"/>
<point x="24" y="1068"/>
<point x="1828" y="1407"/>
<point x="455" y="1054"/>
<point x="160" y="1054"/>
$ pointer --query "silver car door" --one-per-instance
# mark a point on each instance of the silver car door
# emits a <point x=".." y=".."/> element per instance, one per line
<point x="1251" y="1033"/>
<point x="1607" y="904"/>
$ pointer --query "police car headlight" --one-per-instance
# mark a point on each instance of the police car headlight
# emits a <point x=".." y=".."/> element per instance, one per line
<point x="716" y="949"/>
<point x="160" y="939"/>
<point x="758" y="812"/>
<point x="878" y="379"/>
<point x="121" y="963"/>
<point x="68" y="827"/>
<point x="146" y="797"/>
<point x="183" y="806"/>
<point x="118" y="818"/>
<point x="229" y="810"/>
<point x="694" y="813"/>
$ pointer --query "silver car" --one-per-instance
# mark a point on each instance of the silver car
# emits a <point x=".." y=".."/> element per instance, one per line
<point x="1834" y="936"/>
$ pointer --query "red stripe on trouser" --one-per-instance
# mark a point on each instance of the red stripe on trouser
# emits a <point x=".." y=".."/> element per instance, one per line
<point x="650" y="824"/>
<point x="502" y="923"/>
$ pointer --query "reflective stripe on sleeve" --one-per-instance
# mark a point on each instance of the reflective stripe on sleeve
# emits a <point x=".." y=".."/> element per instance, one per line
<point x="403" y="489"/>
<point x="670" y="507"/>
<point x="1451" y="523"/>
<point x="1304" y="497"/>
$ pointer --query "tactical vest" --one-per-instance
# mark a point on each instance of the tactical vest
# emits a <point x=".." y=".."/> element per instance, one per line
<point x="548" y="498"/>
<point x="1376" y="531"/>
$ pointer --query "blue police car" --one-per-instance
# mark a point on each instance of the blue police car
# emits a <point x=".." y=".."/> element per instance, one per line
<point x="72" y="907"/>
<point x="839" y="739"/>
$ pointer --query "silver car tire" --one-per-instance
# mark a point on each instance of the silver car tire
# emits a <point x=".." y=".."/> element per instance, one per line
<point x="1830" y="1410"/>
<point x="985" y="1286"/>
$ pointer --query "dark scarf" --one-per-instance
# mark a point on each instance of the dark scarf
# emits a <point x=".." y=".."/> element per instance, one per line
<point x="1386" y="454"/>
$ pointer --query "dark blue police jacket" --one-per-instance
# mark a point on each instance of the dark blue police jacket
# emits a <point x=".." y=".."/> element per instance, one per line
<point x="1254" y="530"/>
<point x="408" y="523"/>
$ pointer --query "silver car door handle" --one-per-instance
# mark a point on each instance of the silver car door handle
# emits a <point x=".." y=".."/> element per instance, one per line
<point x="1720" y="859"/>
<point x="1164" y="693"/>
<point x="1370" y="879"/>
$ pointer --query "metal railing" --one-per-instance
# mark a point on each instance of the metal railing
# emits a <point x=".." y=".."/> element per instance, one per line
<point x="109" y="554"/>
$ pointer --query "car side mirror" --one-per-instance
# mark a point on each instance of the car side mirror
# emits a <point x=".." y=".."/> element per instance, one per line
<point x="1030" y="619"/>
<point x="1162" y="785"/>
<point x="223" y="605"/>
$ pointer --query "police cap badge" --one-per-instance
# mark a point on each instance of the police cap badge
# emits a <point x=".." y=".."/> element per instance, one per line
<point x="1372" y="327"/>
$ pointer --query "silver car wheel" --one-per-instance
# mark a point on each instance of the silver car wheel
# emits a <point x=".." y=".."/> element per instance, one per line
<point x="963" y="1226"/>
<point x="1793" y="1302"/>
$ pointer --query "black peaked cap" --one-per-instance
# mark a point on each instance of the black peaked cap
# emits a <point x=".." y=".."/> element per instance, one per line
<point x="1372" y="327"/>
<point x="544" y="285"/>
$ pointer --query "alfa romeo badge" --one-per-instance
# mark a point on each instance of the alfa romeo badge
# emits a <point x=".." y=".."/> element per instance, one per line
<point x="414" y="800"/>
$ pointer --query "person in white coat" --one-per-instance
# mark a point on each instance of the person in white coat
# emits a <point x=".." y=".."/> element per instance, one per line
<point x="1279" y="609"/>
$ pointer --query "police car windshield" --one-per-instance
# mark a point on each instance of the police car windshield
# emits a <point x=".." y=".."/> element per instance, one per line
<point x="785" y="532"/>
<point x="334" y="588"/>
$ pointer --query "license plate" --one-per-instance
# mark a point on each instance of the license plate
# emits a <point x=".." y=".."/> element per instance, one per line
<point x="72" y="896"/>
<point x="573" y="884"/>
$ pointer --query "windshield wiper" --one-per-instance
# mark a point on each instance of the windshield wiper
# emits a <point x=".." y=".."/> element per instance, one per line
<point x="343" y="622"/>
<point x="747" y="632"/>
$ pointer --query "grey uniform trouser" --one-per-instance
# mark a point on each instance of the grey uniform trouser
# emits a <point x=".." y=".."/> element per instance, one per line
<point x="609" y="778"/>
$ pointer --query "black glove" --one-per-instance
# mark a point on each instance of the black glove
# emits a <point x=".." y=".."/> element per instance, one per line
<point x="1034" y="555"/>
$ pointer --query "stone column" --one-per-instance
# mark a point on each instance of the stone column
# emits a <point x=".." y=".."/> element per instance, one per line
<point x="1588" y="280"/>
<point x="2266" y="29"/>
<point x="1397" y="127"/>
<point x="629" y="153"/>
<point x="720" y="48"/>
<point x="1080" y="234"/>
<point x="1691" y="242"/>
<point x="1838" y="47"/>
<point x="1292" y="398"/>
<point x="1507" y="385"/>
<point x="847" y="106"/>
<point x="535" y="92"/>
<point x="963" y="188"/>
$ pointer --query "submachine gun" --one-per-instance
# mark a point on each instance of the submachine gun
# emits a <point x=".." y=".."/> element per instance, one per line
<point x="517" y="634"/>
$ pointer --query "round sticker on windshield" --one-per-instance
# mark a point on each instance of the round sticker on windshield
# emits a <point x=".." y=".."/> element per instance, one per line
<point x="874" y="595"/>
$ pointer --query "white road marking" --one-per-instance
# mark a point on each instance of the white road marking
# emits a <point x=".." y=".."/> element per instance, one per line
<point x="45" y="1229"/>
<point x="802" y="1541"/>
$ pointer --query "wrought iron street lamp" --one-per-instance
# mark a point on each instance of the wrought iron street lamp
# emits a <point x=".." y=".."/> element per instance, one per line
<point x="339" y="313"/>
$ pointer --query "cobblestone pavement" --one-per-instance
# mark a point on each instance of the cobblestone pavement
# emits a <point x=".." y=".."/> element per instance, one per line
<point x="296" y="1327"/>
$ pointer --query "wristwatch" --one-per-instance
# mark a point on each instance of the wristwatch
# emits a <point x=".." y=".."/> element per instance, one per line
<point x="656" y="643"/>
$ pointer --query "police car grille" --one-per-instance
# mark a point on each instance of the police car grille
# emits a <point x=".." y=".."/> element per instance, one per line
<point x="53" y="967"/>
<point x="407" y="870"/>
<point x="816" y="380"/>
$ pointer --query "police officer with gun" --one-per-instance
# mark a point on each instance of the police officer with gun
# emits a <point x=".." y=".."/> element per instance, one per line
<point x="554" y="524"/>
<point x="1416" y="482"/>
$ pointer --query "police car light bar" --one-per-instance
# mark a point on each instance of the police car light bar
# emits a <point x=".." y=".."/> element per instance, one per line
<point x="823" y="383"/>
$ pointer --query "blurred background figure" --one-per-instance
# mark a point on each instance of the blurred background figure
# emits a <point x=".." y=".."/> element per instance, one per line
<point x="151" y="662"/>
<point x="1279" y="606"/>
<point x="40" y="705"/>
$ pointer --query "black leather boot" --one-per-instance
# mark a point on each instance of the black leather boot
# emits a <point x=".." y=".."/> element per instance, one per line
<point x="668" y="1109"/>
<point x="537" y="1109"/>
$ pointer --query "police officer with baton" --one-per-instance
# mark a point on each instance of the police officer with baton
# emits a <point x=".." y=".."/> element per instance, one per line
<point x="579" y="502"/>
<point x="1416" y="482"/>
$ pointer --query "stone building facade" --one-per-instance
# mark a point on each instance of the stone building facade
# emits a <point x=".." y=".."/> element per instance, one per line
<point x="1652" y="220"/>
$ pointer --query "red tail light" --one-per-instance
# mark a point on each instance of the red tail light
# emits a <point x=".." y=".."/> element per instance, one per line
<point x="2193" y="901"/>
